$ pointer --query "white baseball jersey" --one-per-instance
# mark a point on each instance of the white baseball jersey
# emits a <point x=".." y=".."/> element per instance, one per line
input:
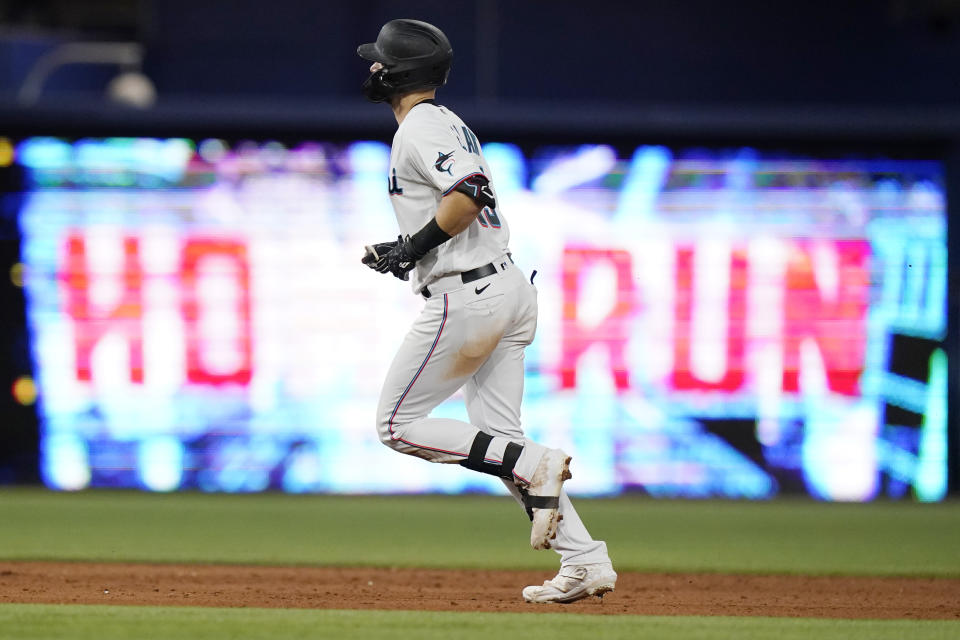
<point x="433" y="152"/>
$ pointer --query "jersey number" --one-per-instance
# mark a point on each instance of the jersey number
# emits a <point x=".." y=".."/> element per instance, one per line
<point x="492" y="219"/>
<point x="470" y="144"/>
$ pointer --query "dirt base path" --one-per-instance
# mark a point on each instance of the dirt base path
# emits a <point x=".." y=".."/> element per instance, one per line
<point x="446" y="590"/>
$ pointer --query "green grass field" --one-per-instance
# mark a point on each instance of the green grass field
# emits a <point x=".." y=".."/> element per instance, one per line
<point x="792" y="536"/>
<point x="36" y="622"/>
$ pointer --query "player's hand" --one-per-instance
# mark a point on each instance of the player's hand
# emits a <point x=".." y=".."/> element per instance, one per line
<point x="400" y="259"/>
<point x="397" y="258"/>
<point x="374" y="254"/>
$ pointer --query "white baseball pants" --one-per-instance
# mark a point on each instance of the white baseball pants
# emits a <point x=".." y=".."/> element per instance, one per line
<point x="473" y="336"/>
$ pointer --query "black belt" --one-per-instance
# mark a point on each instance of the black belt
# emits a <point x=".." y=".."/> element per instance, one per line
<point x="470" y="276"/>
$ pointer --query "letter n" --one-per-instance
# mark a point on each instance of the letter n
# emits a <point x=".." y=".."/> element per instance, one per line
<point x="834" y="317"/>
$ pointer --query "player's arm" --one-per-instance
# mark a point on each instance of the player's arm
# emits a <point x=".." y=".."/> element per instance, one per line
<point x="457" y="210"/>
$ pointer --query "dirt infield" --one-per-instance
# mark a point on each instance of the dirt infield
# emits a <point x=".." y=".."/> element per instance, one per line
<point x="444" y="590"/>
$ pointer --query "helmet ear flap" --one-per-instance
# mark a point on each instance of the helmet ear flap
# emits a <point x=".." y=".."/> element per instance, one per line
<point x="382" y="84"/>
<point x="378" y="87"/>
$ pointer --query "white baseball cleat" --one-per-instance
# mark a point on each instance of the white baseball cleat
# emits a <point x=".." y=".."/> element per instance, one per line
<point x="574" y="582"/>
<point x="543" y="496"/>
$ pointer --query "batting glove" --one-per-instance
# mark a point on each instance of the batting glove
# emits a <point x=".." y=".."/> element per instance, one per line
<point x="397" y="257"/>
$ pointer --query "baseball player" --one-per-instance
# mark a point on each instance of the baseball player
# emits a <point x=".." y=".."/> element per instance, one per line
<point x="480" y="312"/>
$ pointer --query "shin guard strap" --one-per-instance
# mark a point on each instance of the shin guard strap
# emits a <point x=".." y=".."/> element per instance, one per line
<point x="510" y="456"/>
<point x="538" y="502"/>
<point x="478" y="452"/>
<point x="542" y="502"/>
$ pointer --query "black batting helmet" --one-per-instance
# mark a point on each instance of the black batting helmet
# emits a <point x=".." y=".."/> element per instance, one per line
<point x="414" y="54"/>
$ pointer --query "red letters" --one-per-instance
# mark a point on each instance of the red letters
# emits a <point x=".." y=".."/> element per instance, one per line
<point x="836" y="321"/>
<point x="125" y="316"/>
<point x="736" y="313"/>
<point x="91" y="324"/>
<point x="198" y="369"/>
<point x="831" y="313"/>
<point x="612" y="333"/>
<point x="826" y="290"/>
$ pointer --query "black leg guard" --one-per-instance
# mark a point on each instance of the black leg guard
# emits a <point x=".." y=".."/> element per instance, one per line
<point x="478" y="451"/>
<point x="538" y="502"/>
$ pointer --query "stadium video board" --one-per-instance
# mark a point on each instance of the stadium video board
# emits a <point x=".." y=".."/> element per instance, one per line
<point x="727" y="323"/>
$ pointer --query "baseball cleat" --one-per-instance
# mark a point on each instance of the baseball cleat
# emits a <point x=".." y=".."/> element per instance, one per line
<point x="574" y="582"/>
<point x="543" y="496"/>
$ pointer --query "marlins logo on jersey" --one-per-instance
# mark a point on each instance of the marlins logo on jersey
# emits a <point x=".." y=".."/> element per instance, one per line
<point x="444" y="163"/>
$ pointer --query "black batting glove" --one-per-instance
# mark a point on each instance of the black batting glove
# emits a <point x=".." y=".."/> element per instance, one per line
<point x="397" y="257"/>
<point x="374" y="254"/>
<point x="400" y="259"/>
